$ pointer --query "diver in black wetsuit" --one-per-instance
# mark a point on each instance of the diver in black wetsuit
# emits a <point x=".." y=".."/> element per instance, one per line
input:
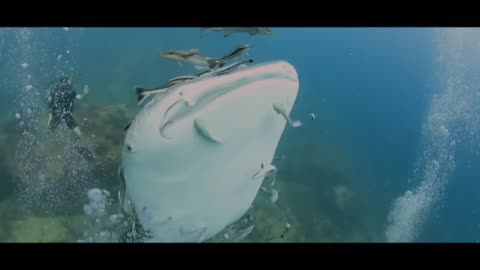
<point x="61" y="100"/>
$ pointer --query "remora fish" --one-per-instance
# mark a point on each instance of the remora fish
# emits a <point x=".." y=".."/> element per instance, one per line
<point x="281" y="110"/>
<point x="143" y="92"/>
<point x="202" y="62"/>
<point x="191" y="57"/>
<point x="227" y="31"/>
<point x="182" y="178"/>
<point x="273" y="194"/>
<point x="226" y="69"/>
<point x="182" y="53"/>
<point x="232" y="67"/>
<point x="214" y="63"/>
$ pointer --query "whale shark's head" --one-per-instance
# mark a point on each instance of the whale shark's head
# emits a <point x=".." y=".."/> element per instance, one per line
<point x="201" y="143"/>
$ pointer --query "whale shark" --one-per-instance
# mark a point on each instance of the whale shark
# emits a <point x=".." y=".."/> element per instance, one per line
<point x="195" y="157"/>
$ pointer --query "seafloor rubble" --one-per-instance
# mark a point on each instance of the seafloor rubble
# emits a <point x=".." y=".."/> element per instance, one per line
<point x="315" y="199"/>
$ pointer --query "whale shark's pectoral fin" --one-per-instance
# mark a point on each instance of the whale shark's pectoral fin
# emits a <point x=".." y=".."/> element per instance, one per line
<point x="259" y="172"/>
<point x="203" y="130"/>
<point x="125" y="205"/>
<point x="264" y="171"/>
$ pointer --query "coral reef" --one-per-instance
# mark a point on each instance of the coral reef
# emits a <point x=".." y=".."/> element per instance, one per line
<point x="319" y="182"/>
<point x="53" y="182"/>
<point x="35" y="229"/>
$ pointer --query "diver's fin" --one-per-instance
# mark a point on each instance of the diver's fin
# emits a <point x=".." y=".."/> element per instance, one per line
<point x="127" y="126"/>
<point x="204" y="131"/>
<point x="140" y="92"/>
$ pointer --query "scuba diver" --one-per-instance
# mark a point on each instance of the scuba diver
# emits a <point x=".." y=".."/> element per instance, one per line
<point x="61" y="99"/>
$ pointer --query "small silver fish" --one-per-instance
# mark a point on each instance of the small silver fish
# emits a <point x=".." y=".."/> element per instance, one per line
<point x="280" y="110"/>
<point x="273" y="194"/>
<point x="246" y="232"/>
<point x="312" y="116"/>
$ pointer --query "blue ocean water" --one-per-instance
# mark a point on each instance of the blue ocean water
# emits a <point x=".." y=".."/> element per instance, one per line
<point x="372" y="91"/>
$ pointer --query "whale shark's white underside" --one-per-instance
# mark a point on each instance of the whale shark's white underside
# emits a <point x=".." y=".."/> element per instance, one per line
<point x="190" y="155"/>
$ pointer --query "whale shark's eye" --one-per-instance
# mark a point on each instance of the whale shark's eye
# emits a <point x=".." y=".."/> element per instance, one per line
<point x="129" y="148"/>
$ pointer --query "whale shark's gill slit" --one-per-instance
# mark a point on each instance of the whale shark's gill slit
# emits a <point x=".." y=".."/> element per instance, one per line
<point x="167" y="122"/>
<point x="172" y="106"/>
<point x="164" y="128"/>
<point x="203" y="130"/>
